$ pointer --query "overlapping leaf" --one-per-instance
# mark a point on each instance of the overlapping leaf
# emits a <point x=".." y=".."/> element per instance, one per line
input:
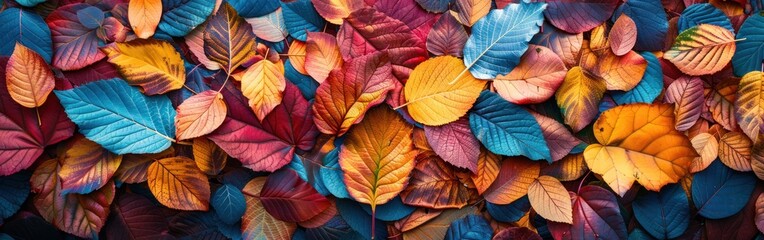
<point x="228" y="39"/>
<point x="144" y="16"/>
<point x="178" y="184"/>
<point x="701" y="50"/>
<point x="153" y="65"/>
<point x="28" y="78"/>
<point x="435" y="184"/>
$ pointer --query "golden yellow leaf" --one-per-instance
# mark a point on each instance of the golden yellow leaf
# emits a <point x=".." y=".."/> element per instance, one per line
<point x="487" y="170"/>
<point x="153" y="65"/>
<point x="735" y="151"/>
<point x="569" y="168"/>
<point x="297" y="52"/>
<point x="432" y="99"/>
<point x="621" y="72"/>
<point x="178" y="184"/>
<point x="578" y="98"/>
<point x="707" y="147"/>
<point x="749" y="104"/>
<point x="28" y="77"/>
<point x="208" y="156"/>
<point x="515" y="175"/>
<point x="144" y="16"/>
<point x="377" y="160"/>
<point x="638" y="142"/>
<point x="598" y="41"/>
<point x="263" y="84"/>
<point x="550" y="199"/>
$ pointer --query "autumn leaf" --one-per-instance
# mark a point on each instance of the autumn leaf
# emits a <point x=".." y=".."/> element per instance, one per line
<point x="288" y="198"/>
<point x="368" y="148"/>
<point x="735" y="151"/>
<point x="322" y="55"/>
<point x="662" y="155"/>
<point x="199" y="115"/>
<point x="144" y="16"/>
<point x="686" y="94"/>
<point x="701" y="50"/>
<point x="487" y="170"/>
<point x="256" y="222"/>
<point x="535" y="79"/>
<point x="623" y="35"/>
<point x="178" y="184"/>
<point x="28" y="77"/>
<point x="153" y="65"/>
<point x="447" y="37"/>
<point x="707" y="146"/>
<point x="455" y="143"/>
<point x="749" y="104"/>
<point x="435" y="184"/>
<point x="263" y="84"/>
<point x="208" y="156"/>
<point x="515" y="176"/>
<point x="438" y="92"/>
<point x="578" y="98"/>
<point x="228" y="39"/>
<point x="550" y="199"/>
<point x="470" y="11"/>
<point x="86" y="166"/>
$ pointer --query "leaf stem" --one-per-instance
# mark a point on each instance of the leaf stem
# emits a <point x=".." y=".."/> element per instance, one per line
<point x="582" y="182"/>
<point x="373" y="218"/>
<point x="37" y="111"/>
<point x="189" y="89"/>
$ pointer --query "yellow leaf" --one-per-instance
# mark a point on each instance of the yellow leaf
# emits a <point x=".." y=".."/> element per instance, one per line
<point x="749" y="104"/>
<point x="322" y="55"/>
<point x="256" y="222"/>
<point x="263" y="84"/>
<point x="377" y="160"/>
<point x="208" y="156"/>
<point x="178" y="184"/>
<point x="487" y="170"/>
<point x="153" y="65"/>
<point x="639" y="142"/>
<point x="735" y="151"/>
<point x="470" y="11"/>
<point x="707" y="147"/>
<point x="550" y="199"/>
<point x="430" y="97"/>
<point x="297" y="52"/>
<point x="598" y="42"/>
<point x="516" y="174"/>
<point x="569" y="168"/>
<point x="28" y="78"/>
<point x="701" y="50"/>
<point x="144" y="16"/>
<point x="200" y="114"/>
<point x="578" y="98"/>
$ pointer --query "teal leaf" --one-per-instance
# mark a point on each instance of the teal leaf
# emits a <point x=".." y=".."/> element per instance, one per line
<point x="509" y="213"/>
<point x="229" y="203"/>
<point x="507" y="129"/>
<point x="471" y="227"/>
<point x="90" y="17"/>
<point x="300" y="18"/>
<point x="499" y="39"/>
<point x="332" y="175"/>
<point x="664" y="214"/>
<point x="652" y="24"/>
<point x="254" y="8"/>
<point x="181" y="16"/>
<point x="119" y="117"/>
<point x="393" y="210"/>
<point x="25" y="27"/>
<point x="749" y="53"/>
<point x="703" y="13"/>
<point x="648" y="88"/>
<point x="720" y="192"/>
<point x="15" y="189"/>
<point x="29" y="3"/>
<point x="305" y="83"/>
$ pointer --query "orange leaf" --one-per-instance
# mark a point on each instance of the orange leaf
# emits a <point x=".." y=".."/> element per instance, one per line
<point x="749" y="104"/>
<point x="153" y="65"/>
<point x="707" y="147"/>
<point x="701" y="50"/>
<point x="435" y="184"/>
<point x="199" y="115"/>
<point x="516" y="174"/>
<point x="297" y="52"/>
<point x="334" y="11"/>
<point x="720" y="100"/>
<point x="322" y="55"/>
<point x="378" y="160"/>
<point x="639" y="142"/>
<point x="578" y="98"/>
<point x="438" y="92"/>
<point x="28" y="77"/>
<point x="569" y="168"/>
<point x="735" y="151"/>
<point x="598" y="41"/>
<point x="263" y="84"/>
<point x="208" y="156"/>
<point x="550" y="199"/>
<point x="228" y="39"/>
<point x="195" y="42"/>
<point x="144" y="16"/>
<point x="256" y="222"/>
<point x="623" y="35"/>
<point x="86" y="166"/>
<point x="621" y="72"/>
<point x="437" y="227"/>
<point x="135" y="167"/>
<point x="178" y="184"/>
<point x="535" y="79"/>
<point x="348" y="93"/>
<point x="470" y="11"/>
<point x="487" y="170"/>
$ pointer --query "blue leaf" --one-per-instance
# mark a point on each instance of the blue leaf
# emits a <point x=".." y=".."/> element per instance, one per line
<point x="300" y="18"/>
<point x="181" y="16"/>
<point x="27" y="28"/>
<point x="650" y="18"/>
<point x="29" y="3"/>
<point x="665" y="214"/>
<point x="470" y="227"/>
<point x="749" y="53"/>
<point x="393" y="210"/>
<point x="639" y="234"/>
<point x="703" y="13"/>
<point x="14" y="189"/>
<point x="305" y="83"/>
<point x="254" y="8"/>
<point x="335" y="228"/>
<point x="507" y="129"/>
<point x="648" y="88"/>
<point x="499" y="39"/>
<point x="297" y="165"/>
<point x="188" y="225"/>
<point x="509" y="212"/>
<point x="119" y="117"/>
<point x="720" y="192"/>
<point x="437" y="6"/>
<point x="359" y="220"/>
<point x="229" y="203"/>
<point x="238" y="177"/>
<point x="231" y="231"/>
<point x="332" y="175"/>
<point x="90" y="17"/>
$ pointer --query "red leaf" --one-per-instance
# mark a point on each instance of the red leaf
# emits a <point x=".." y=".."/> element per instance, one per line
<point x="367" y="31"/>
<point x="410" y="13"/>
<point x="23" y="138"/>
<point x="595" y="215"/>
<point x="135" y="217"/>
<point x="269" y="145"/>
<point x="288" y="198"/>
<point x="97" y="71"/>
<point x="74" y="45"/>
<point x="455" y="143"/>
